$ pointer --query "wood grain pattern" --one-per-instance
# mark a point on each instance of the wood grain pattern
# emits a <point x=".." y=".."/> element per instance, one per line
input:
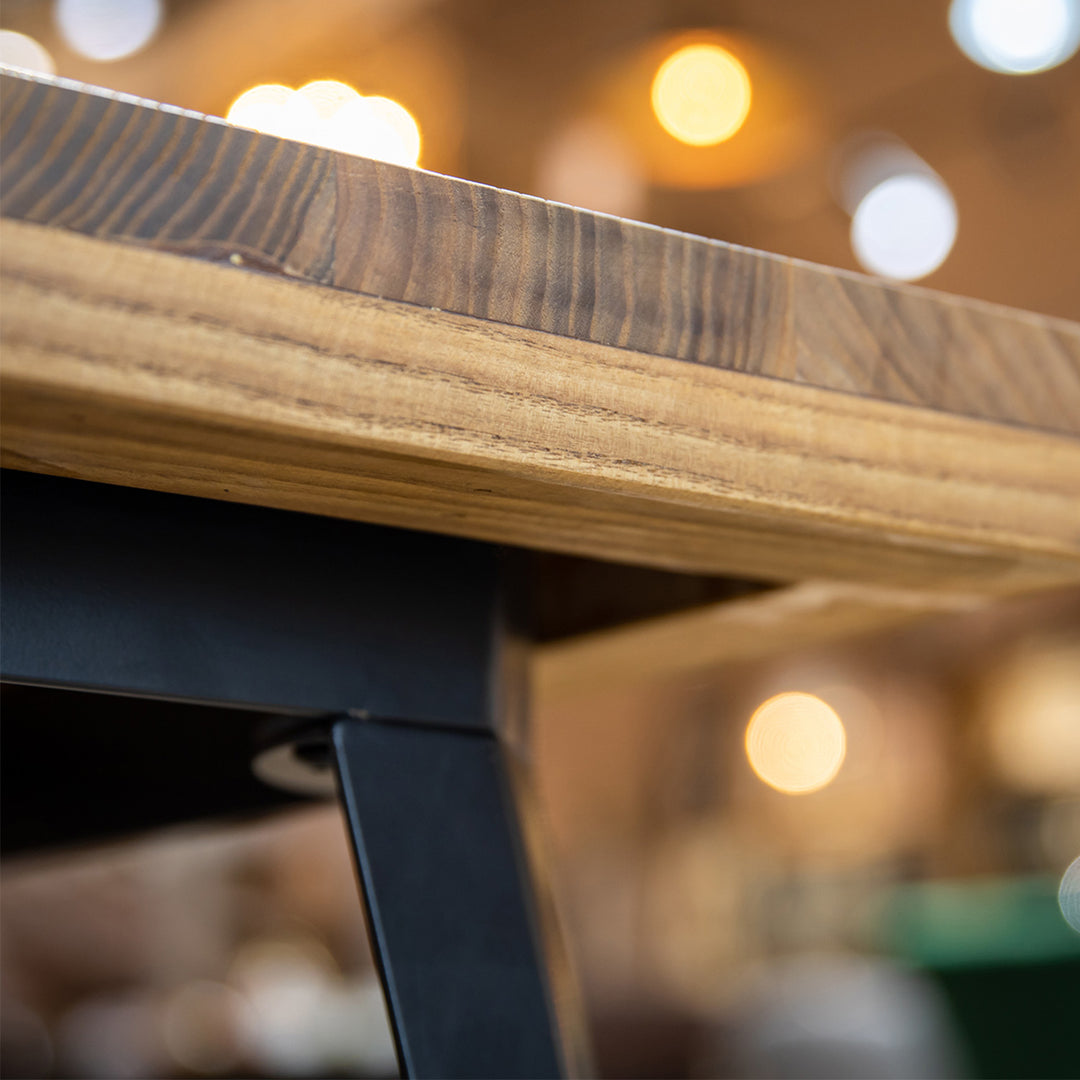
<point x="109" y="166"/>
<point x="773" y="623"/>
<point x="142" y="367"/>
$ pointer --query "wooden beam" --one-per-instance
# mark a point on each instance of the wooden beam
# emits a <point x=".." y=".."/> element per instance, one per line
<point x="111" y="166"/>
<point x="142" y="367"/>
<point x="774" y="623"/>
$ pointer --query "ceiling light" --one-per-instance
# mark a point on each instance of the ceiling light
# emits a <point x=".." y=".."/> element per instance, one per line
<point x="19" y="50"/>
<point x="1017" y="37"/>
<point x="107" y="29"/>
<point x="331" y="114"/>
<point x="701" y="94"/>
<point x="796" y="743"/>
<point x="905" y="226"/>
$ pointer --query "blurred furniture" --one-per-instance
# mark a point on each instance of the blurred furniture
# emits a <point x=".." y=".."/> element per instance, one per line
<point x="218" y="317"/>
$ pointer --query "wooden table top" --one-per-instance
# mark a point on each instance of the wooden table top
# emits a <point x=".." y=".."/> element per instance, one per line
<point x="194" y="307"/>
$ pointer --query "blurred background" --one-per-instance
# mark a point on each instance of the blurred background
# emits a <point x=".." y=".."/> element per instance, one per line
<point x="848" y="861"/>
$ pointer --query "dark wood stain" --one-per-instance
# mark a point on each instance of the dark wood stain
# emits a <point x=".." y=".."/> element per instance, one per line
<point x="109" y="167"/>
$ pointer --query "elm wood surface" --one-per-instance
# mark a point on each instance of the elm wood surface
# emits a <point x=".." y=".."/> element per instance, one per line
<point x="146" y="368"/>
<point x="96" y="162"/>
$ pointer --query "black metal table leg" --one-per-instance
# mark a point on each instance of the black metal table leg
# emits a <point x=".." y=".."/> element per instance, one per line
<point x="242" y="625"/>
<point x="449" y="902"/>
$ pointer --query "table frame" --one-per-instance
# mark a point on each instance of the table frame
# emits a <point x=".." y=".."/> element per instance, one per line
<point x="389" y="647"/>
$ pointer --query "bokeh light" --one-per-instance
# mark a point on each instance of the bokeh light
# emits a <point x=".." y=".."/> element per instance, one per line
<point x="701" y="94"/>
<point x="1016" y="37"/>
<point x="796" y="743"/>
<point x="1069" y="894"/>
<point x="375" y="127"/>
<point x="111" y="1034"/>
<point x="905" y="227"/>
<point x="22" y="51"/>
<point x="1031" y="719"/>
<point x="287" y="985"/>
<point x="108" y="29"/>
<point x="199" y="1021"/>
<point x="331" y="114"/>
<point x="327" y="96"/>
<point x="274" y="109"/>
<point x="587" y="164"/>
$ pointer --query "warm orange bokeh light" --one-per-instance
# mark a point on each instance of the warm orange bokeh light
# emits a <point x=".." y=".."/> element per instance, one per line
<point x="701" y="94"/>
<point x="1031" y="718"/>
<point x="795" y="743"/>
<point x="332" y="114"/>
<point x="707" y="109"/>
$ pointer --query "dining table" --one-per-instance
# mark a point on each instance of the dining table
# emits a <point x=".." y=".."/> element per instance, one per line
<point x="319" y="469"/>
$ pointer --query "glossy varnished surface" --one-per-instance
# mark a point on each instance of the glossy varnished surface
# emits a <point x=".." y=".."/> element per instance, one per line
<point x="111" y="167"/>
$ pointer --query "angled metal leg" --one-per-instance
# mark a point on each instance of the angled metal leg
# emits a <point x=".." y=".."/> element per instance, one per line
<point x="278" y="625"/>
<point x="450" y="907"/>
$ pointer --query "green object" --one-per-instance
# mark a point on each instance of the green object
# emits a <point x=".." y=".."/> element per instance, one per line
<point x="946" y="924"/>
<point x="1008" y="963"/>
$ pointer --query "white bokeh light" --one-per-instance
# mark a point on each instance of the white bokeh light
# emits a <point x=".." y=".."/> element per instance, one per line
<point x="108" y="29"/>
<point x="1069" y="894"/>
<point x="1017" y="37"/>
<point x="276" y="110"/>
<point x="331" y="114"/>
<point x="19" y="50"/>
<point x="327" y="96"/>
<point x="905" y="227"/>
<point x="375" y="127"/>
